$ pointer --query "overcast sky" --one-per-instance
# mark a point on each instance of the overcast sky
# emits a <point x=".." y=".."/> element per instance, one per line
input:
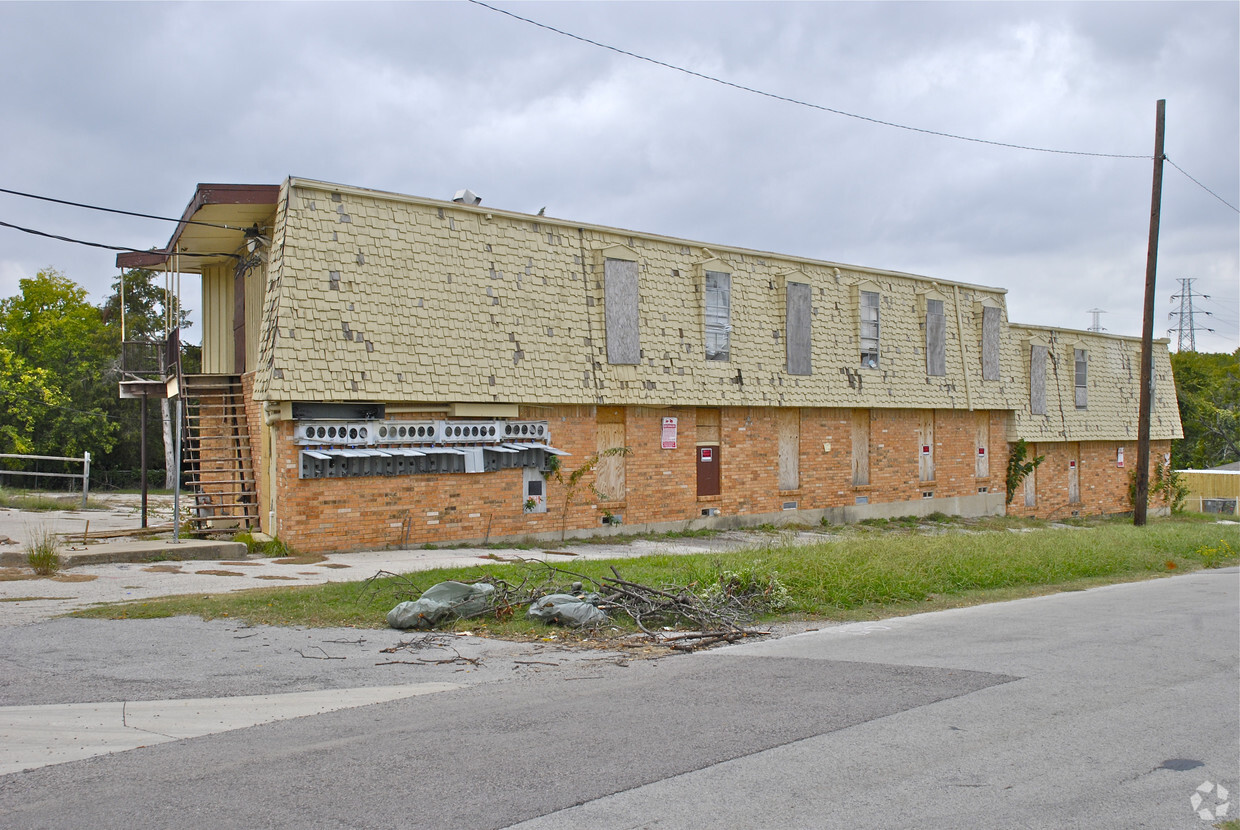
<point x="131" y="105"/>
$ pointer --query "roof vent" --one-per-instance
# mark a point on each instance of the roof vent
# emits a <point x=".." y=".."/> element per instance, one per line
<point x="467" y="197"/>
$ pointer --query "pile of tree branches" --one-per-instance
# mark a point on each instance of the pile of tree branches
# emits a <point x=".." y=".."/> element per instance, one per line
<point x="676" y="616"/>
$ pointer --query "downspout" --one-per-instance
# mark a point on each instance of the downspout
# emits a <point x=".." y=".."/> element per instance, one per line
<point x="964" y="362"/>
<point x="585" y="282"/>
<point x="271" y="414"/>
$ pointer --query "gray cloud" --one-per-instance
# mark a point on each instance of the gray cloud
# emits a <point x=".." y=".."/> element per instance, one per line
<point x="129" y="105"/>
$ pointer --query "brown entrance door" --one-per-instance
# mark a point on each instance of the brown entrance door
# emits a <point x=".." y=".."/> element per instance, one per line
<point x="708" y="471"/>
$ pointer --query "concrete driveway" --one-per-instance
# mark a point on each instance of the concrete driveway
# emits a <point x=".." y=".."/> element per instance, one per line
<point x="1113" y="707"/>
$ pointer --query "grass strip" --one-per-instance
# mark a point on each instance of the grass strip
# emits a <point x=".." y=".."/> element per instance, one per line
<point x="855" y="577"/>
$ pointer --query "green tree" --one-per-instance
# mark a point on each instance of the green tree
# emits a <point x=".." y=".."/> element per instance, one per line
<point x="26" y="395"/>
<point x="49" y="326"/>
<point x="1208" y="388"/>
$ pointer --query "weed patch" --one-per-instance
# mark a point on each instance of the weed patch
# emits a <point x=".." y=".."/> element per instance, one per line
<point x="43" y="552"/>
<point x="866" y="575"/>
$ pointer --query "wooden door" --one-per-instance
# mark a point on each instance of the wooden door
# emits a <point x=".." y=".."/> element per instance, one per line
<point x="708" y="470"/>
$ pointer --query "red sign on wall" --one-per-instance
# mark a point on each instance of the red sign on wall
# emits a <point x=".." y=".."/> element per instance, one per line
<point x="707" y="454"/>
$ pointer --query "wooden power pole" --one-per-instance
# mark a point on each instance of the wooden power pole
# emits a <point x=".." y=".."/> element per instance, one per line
<point x="1140" y="502"/>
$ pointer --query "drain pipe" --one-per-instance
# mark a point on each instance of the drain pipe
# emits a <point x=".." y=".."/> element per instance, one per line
<point x="964" y="361"/>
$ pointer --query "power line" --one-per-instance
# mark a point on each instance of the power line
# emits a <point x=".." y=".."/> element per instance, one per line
<point x="1167" y="159"/>
<point x="822" y="108"/>
<point x="122" y="248"/>
<point x="797" y="101"/>
<point x="117" y="210"/>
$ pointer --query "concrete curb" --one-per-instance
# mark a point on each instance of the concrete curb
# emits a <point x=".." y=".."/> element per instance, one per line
<point x="147" y="550"/>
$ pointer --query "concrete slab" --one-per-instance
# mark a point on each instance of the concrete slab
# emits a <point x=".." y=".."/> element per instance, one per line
<point x="37" y="736"/>
<point x="135" y="550"/>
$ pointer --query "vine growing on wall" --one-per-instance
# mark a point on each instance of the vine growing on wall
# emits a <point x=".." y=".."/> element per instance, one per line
<point x="1166" y="488"/>
<point x="1019" y="466"/>
<point x="572" y="482"/>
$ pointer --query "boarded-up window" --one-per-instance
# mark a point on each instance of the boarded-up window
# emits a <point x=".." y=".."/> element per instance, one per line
<point x="708" y="426"/>
<point x="620" y="311"/>
<point x="936" y="338"/>
<point x="1081" y="363"/>
<point x="990" y="343"/>
<point x="983" y="445"/>
<point x="1031" y="480"/>
<point x="609" y="473"/>
<point x="1037" y="380"/>
<point x="925" y="447"/>
<point x="869" y="329"/>
<point x="860" y="447"/>
<point x="798" y="329"/>
<point x="789" y="448"/>
<point x="718" y="315"/>
<point x="1074" y="474"/>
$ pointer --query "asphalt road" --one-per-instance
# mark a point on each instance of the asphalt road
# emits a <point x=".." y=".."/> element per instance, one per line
<point x="1103" y="708"/>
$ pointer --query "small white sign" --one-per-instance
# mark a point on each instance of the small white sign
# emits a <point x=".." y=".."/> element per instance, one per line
<point x="669" y="433"/>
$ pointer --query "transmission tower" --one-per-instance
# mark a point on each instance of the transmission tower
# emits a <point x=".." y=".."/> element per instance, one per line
<point x="1187" y="323"/>
<point x="1097" y="324"/>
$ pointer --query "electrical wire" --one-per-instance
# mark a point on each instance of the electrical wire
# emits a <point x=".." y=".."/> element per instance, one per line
<point x="117" y="210"/>
<point x="799" y="102"/>
<point x="822" y="108"/>
<point x="121" y="248"/>
<point x="1167" y="159"/>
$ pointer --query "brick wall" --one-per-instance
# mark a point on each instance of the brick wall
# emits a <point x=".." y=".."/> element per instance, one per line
<point x="661" y="484"/>
<point x="1102" y="484"/>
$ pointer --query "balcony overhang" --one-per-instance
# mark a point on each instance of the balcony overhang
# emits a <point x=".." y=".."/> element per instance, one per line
<point x="229" y="211"/>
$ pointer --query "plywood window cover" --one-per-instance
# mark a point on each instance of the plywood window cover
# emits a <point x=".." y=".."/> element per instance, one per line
<point x="936" y="332"/>
<point x="621" y="309"/>
<point x="798" y="326"/>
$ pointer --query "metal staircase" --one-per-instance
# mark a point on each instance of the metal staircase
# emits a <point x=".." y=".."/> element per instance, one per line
<point x="219" y="466"/>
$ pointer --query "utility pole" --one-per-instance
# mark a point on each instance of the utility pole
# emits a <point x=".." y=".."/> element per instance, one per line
<point x="1186" y="315"/>
<point x="1139" y="506"/>
<point x="1096" y="325"/>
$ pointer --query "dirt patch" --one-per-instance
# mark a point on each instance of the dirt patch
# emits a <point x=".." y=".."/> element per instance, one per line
<point x="32" y="599"/>
<point x="164" y="569"/>
<point x="301" y="559"/>
<point x="20" y="574"/>
<point x="334" y="565"/>
<point x="270" y="576"/>
<point x="220" y="573"/>
<point x="243" y="564"/>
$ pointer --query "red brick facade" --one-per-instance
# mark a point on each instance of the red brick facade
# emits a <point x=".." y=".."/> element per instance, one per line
<point x="1102" y="485"/>
<point x="370" y="512"/>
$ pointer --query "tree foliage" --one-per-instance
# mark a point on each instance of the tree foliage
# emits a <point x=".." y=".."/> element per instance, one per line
<point x="60" y="355"/>
<point x="60" y="365"/>
<point x="1208" y="388"/>
<point x="1018" y="467"/>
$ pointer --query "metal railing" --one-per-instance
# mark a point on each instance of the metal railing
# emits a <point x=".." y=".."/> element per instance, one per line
<point x="84" y="475"/>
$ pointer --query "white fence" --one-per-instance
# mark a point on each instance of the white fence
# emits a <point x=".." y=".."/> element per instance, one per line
<point x="84" y="475"/>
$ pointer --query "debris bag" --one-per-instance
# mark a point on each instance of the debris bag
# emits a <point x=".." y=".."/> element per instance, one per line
<point x="567" y="609"/>
<point x="440" y="602"/>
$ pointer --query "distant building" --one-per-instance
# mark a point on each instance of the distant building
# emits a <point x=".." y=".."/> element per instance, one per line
<point x="386" y="370"/>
